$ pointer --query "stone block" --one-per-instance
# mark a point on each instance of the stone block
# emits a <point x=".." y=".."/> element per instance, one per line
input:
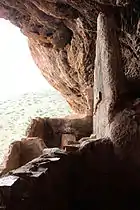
<point x="72" y="148"/>
<point x="67" y="139"/>
<point x="21" y="152"/>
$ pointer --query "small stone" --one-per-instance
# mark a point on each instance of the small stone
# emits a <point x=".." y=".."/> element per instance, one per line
<point x="83" y="139"/>
<point x="93" y="136"/>
<point x="8" y="181"/>
<point x="71" y="148"/>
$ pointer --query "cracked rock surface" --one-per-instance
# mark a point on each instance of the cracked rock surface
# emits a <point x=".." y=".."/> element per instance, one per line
<point x="62" y="36"/>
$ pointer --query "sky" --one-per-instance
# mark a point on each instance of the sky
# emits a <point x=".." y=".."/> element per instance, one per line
<point x="18" y="72"/>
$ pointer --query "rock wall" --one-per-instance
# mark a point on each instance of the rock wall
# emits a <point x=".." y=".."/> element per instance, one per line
<point x="103" y="168"/>
<point x="52" y="129"/>
<point x="90" y="178"/>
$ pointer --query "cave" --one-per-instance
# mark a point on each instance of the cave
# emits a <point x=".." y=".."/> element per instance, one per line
<point x="90" y="52"/>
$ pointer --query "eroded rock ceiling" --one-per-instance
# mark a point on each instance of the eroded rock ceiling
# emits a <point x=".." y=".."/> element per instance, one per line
<point x="62" y="37"/>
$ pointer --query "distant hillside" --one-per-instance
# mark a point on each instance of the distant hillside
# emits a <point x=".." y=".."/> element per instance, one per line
<point x="16" y="112"/>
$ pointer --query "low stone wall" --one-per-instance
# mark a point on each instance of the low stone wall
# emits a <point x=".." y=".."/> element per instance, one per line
<point x="93" y="177"/>
<point x="52" y="129"/>
<point x="45" y="133"/>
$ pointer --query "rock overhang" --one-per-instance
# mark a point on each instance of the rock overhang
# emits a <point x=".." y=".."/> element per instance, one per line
<point x="62" y="39"/>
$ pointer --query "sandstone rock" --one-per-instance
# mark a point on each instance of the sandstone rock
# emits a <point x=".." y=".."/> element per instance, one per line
<point x="62" y="38"/>
<point x="51" y="129"/>
<point x="88" y="179"/>
<point x="21" y="152"/>
<point x="42" y="128"/>
<point x="85" y="140"/>
<point x="30" y="149"/>
<point x="12" y="159"/>
<point x="53" y="152"/>
<point x="72" y="147"/>
<point x="93" y="136"/>
<point x="67" y="139"/>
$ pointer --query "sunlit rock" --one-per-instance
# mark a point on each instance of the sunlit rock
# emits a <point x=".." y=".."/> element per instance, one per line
<point x="21" y="152"/>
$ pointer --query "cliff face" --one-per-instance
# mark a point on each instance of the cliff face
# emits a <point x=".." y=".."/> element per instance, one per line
<point x="62" y="35"/>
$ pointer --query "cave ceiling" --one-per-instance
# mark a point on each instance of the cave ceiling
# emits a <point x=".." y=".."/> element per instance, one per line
<point x="62" y="38"/>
